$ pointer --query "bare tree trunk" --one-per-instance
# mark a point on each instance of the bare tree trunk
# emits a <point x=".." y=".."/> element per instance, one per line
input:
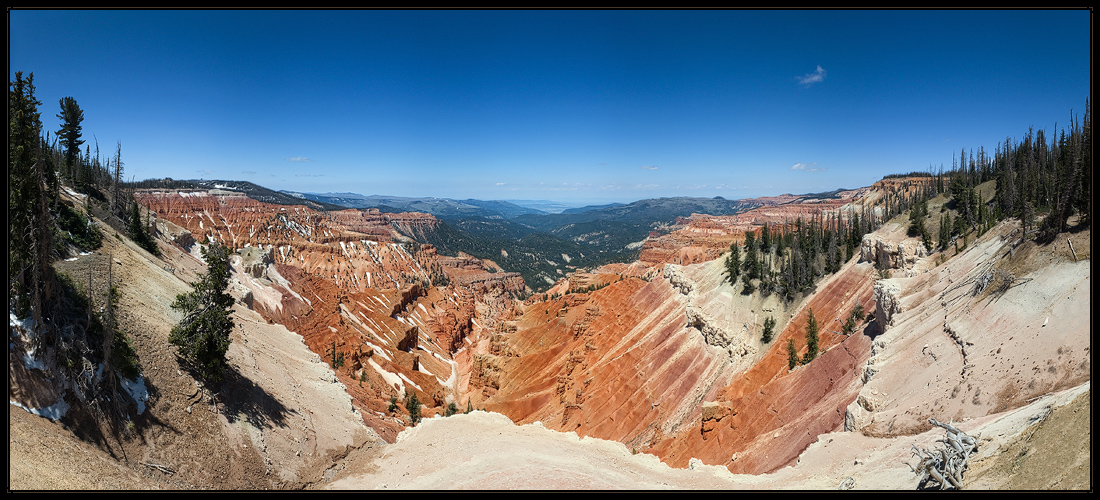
<point x="43" y="289"/>
<point x="109" y="329"/>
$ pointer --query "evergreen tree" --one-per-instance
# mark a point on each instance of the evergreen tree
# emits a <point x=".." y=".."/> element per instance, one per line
<point x="1006" y="191"/>
<point x="733" y="263"/>
<point x="71" y="115"/>
<point x="752" y="264"/>
<point x="140" y="233"/>
<point x="945" y="230"/>
<point x="792" y="355"/>
<point x="811" y="338"/>
<point x="24" y="190"/>
<point x="769" y="328"/>
<point x="849" y="325"/>
<point x="203" y="333"/>
<point x="412" y="403"/>
<point x="749" y="286"/>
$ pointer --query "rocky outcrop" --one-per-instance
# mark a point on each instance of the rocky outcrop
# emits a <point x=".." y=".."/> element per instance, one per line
<point x="887" y="302"/>
<point x="715" y="334"/>
<point x="185" y="240"/>
<point x="405" y="297"/>
<point x="678" y="280"/>
<point x="713" y="413"/>
<point x="254" y="260"/>
<point x="886" y="255"/>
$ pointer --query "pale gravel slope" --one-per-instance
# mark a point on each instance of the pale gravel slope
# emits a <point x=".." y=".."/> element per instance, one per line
<point x="484" y="450"/>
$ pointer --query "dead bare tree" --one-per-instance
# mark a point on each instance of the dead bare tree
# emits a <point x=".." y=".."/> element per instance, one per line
<point x="945" y="465"/>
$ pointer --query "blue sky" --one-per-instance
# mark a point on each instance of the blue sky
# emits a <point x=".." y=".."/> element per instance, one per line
<point x="580" y="106"/>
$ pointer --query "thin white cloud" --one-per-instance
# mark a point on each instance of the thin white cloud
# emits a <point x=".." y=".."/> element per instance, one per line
<point x="309" y="175"/>
<point x="298" y="159"/>
<point x="500" y="183"/>
<point x="808" y="167"/>
<point x="649" y="167"/>
<point x="814" y="77"/>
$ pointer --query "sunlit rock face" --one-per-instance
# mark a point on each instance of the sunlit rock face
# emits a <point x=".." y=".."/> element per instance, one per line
<point x="663" y="354"/>
<point x="620" y="362"/>
<point x="362" y="297"/>
<point x="356" y="249"/>
<point x="702" y="237"/>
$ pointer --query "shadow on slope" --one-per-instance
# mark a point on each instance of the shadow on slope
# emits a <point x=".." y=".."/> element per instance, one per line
<point x="241" y="399"/>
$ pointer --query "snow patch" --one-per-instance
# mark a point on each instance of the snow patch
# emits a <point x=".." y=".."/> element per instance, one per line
<point x="53" y="412"/>
<point x="137" y="391"/>
<point x="390" y="378"/>
<point x="406" y="379"/>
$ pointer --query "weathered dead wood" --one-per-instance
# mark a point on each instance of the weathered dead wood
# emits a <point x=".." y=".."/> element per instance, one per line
<point x="847" y="484"/>
<point x="945" y="465"/>
<point x="161" y="468"/>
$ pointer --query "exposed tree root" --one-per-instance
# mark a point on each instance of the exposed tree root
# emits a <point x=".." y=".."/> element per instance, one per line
<point x="945" y="465"/>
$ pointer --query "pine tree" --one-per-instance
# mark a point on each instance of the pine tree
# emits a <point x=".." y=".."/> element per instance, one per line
<point x="412" y="403"/>
<point x="139" y="232"/>
<point x="792" y="355"/>
<point x="203" y="333"/>
<point x="752" y="265"/>
<point x="733" y="263"/>
<point x="811" y="338"/>
<point x="769" y="328"/>
<point x="945" y="229"/>
<point x="749" y="286"/>
<point x="71" y="115"/>
<point x="116" y="198"/>
<point x="24" y="189"/>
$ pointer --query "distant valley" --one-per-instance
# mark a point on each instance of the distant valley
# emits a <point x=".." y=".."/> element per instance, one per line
<point x="540" y="245"/>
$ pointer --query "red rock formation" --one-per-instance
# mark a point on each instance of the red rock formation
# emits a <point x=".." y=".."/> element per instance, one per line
<point x="355" y="248"/>
<point x="617" y="353"/>
<point x="703" y="237"/>
<point x="359" y="300"/>
<point x="616" y="363"/>
<point x="628" y="362"/>
<point x="777" y="413"/>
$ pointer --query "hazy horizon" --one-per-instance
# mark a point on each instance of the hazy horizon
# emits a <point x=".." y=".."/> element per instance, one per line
<point x="588" y="107"/>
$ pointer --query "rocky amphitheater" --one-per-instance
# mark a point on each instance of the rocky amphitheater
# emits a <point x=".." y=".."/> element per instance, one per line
<point x="647" y="375"/>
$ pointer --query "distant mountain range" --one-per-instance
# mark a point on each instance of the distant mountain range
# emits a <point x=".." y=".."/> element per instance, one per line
<point x="443" y="208"/>
<point x="650" y="210"/>
<point x="543" y="240"/>
<point x="539" y="244"/>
